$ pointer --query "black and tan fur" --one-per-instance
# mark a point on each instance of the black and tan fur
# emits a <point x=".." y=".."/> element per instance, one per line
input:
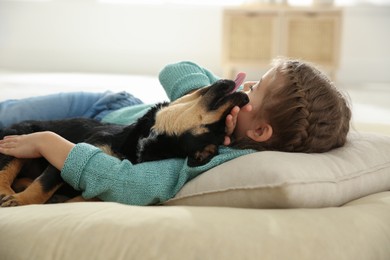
<point x="191" y="127"/>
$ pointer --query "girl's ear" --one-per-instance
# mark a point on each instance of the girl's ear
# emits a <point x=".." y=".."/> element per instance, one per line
<point x="260" y="134"/>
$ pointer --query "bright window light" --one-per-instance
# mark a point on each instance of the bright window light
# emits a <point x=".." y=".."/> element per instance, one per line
<point x="358" y="2"/>
<point x="238" y="2"/>
<point x="182" y="2"/>
<point x="216" y="2"/>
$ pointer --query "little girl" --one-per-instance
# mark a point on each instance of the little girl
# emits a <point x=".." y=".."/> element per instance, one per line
<point x="293" y="108"/>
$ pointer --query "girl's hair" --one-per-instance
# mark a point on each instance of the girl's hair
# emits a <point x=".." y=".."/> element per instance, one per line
<point x="306" y="111"/>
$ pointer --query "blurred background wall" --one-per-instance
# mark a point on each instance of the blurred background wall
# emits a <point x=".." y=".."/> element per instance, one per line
<point x="93" y="36"/>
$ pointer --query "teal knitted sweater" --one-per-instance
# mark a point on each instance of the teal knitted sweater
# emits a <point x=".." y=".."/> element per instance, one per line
<point x="97" y="174"/>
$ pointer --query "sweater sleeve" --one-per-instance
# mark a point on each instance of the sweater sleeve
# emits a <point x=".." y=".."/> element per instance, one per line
<point x="180" y="78"/>
<point x="100" y="175"/>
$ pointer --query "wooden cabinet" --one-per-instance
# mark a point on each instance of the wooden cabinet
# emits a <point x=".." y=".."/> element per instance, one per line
<point x="254" y="35"/>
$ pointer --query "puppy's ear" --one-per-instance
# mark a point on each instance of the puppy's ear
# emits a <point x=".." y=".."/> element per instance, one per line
<point x="203" y="156"/>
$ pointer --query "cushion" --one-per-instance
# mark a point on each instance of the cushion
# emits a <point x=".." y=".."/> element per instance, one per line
<point x="106" y="230"/>
<point x="291" y="180"/>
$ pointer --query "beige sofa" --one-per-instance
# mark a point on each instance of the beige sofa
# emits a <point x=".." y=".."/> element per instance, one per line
<point x="267" y="205"/>
<point x="357" y="230"/>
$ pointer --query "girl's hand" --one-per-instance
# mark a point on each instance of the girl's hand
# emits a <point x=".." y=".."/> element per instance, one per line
<point x="231" y="122"/>
<point x="49" y="145"/>
<point x="21" y="146"/>
<point x="231" y="119"/>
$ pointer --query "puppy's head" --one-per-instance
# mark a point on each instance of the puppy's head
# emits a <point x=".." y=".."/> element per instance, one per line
<point x="197" y="120"/>
<point x="194" y="112"/>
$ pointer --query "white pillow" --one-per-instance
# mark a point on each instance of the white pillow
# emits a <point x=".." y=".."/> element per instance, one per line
<point x="292" y="180"/>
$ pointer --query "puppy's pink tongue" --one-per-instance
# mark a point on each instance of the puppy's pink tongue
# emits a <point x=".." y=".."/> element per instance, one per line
<point x="239" y="80"/>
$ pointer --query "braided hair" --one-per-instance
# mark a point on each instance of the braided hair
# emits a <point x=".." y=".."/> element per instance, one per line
<point x="306" y="111"/>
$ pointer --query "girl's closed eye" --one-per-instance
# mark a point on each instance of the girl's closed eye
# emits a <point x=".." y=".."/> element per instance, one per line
<point x="249" y="86"/>
<point x="255" y="85"/>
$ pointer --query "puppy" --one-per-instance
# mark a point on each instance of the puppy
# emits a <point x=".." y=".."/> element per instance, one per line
<point x="191" y="127"/>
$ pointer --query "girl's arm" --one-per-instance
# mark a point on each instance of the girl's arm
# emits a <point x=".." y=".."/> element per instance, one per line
<point x="100" y="175"/>
<point x="96" y="174"/>
<point x="41" y="144"/>
<point x="89" y="169"/>
<point x="183" y="77"/>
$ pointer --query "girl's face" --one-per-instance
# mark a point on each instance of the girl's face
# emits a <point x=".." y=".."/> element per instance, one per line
<point x="247" y="118"/>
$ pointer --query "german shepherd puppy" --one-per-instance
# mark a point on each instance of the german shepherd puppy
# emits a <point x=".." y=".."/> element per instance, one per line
<point x="191" y="127"/>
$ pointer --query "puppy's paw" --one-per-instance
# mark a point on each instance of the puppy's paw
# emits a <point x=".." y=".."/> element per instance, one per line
<point x="4" y="195"/>
<point x="203" y="156"/>
<point x="5" y="191"/>
<point x="10" y="201"/>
